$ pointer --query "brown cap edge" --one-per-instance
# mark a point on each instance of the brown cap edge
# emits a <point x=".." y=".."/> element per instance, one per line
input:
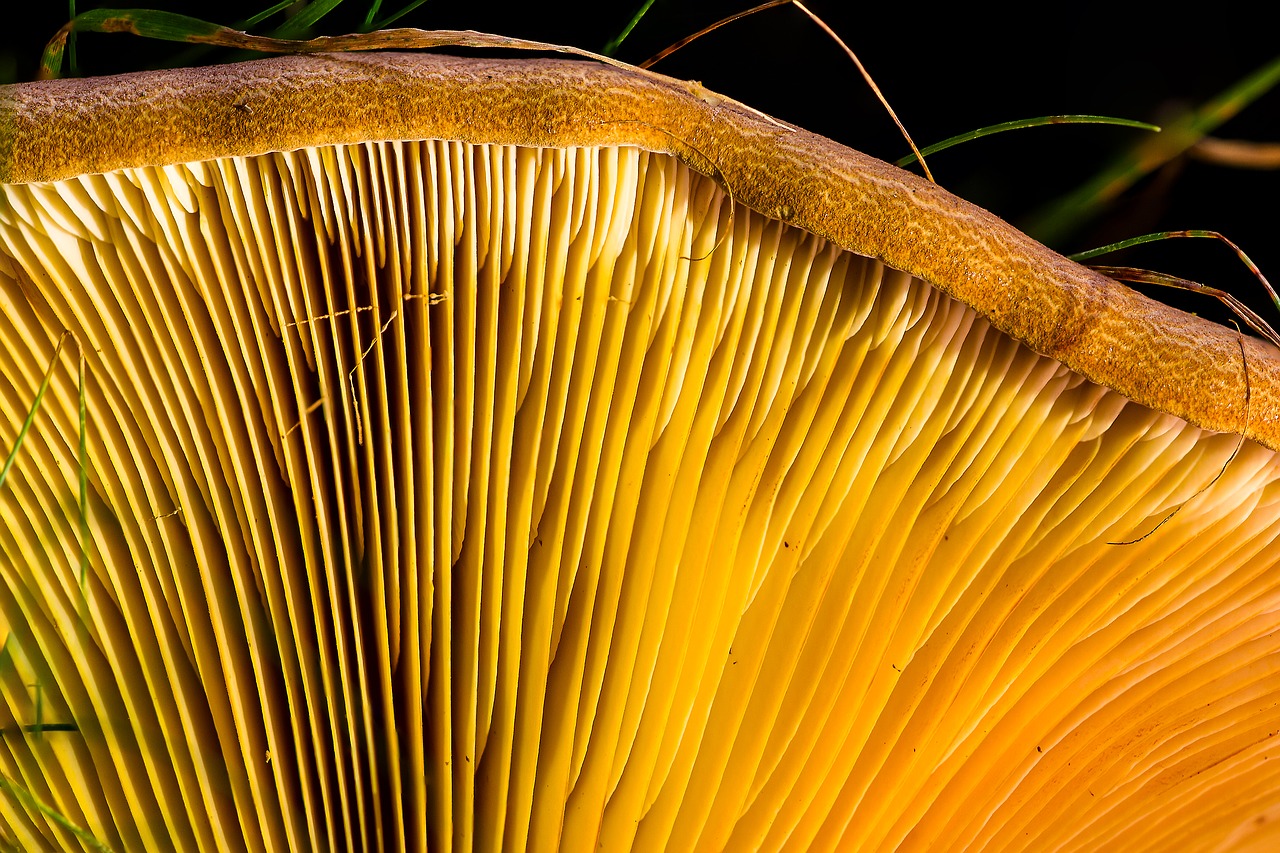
<point x="1154" y="354"/>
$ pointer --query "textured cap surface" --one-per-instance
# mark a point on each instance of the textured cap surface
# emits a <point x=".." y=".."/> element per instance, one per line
<point x="1155" y="355"/>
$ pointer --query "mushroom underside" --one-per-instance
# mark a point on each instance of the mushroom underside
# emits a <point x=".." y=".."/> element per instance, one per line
<point x="465" y="495"/>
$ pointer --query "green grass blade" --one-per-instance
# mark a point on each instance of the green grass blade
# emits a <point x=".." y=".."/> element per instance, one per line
<point x="254" y="20"/>
<point x="390" y="19"/>
<point x="1174" y="235"/>
<point x="149" y="23"/>
<point x="616" y="42"/>
<point x="1057" y="222"/>
<point x="310" y="15"/>
<point x="170" y="26"/>
<point x="31" y="415"/>
<point x="1138" y="241"/>
<point x="83" y="454"/>
<point x="27" y="799"/>
<point x="72" y="62"/>
<point x="1039" y="121"/>
<point x="195" y="55"/>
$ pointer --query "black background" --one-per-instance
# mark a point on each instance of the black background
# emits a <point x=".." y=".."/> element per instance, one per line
<point x="945" y="70"/>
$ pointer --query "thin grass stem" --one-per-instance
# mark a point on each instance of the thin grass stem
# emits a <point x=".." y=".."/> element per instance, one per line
<point x="254" y="20"/>
<point x="370" y="26"/>
<point x="308" y="17"/>
<point x="1018" y="124"/>
<point x="1141" y="276"/>
<point x="29" y="800"/>
<point x="611" y="47"/>
<point x="866" y="76"/>
<point x="35" y="407"/>
<point x="1174" y="235"/>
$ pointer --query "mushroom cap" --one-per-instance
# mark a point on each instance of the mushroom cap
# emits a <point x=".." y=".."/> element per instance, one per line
<point x="495" y="452"/>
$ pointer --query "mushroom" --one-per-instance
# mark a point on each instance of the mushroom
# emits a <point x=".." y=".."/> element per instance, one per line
<point x="494" y="453"/>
